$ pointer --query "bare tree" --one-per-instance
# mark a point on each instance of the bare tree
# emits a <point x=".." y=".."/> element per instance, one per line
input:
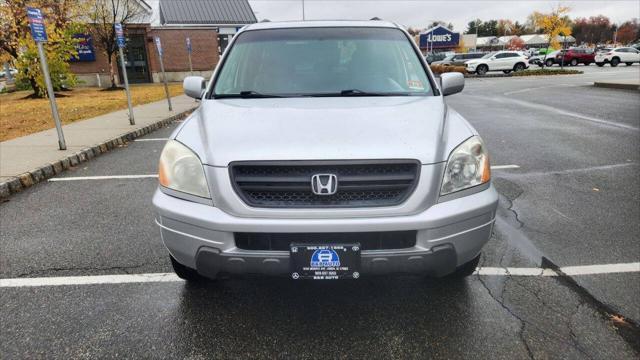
<point x="104" y="14"/>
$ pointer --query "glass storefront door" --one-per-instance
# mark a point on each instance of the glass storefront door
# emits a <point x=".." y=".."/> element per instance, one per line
<point x="135" y="55"/>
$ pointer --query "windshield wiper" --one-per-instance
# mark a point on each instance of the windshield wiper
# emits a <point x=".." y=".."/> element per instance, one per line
<point x="358" y="92"/>
<point x="247" y="94"/>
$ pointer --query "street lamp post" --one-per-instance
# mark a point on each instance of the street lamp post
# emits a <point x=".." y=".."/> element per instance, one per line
<point x="475" y="47"/>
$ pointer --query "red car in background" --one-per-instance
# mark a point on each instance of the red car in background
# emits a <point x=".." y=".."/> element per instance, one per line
<point x="575" y="56"/>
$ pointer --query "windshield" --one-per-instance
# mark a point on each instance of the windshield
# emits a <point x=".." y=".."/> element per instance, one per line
<point x="486" y="56"/>
<point x="322" y="62"/>
<point x="449" y="57"/>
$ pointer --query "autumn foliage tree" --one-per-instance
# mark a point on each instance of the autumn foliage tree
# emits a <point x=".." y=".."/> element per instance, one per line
<point x="553" y="25"/>
<point x="515" y="44"/>
<point x="628" y="32"/>
<point x="16" y="41"/>
<point x="593" y="30"/>
<point x="104" y="14"/>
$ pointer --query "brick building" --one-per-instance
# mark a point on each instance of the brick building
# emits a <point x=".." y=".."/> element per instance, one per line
<point x="209" y="24"/>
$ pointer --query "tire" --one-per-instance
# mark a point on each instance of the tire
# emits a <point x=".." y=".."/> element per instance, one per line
<point x="614" y="62"/>
<point x="574" y="62"/>
<point x="549" y="62"/>
<point x="482" y="69"/>
<point x="518" y="67"/>
<point x="628" y="64"/>
<point x="185" y="272"/>
<point x="600" y="64"/>
<point x="506" y="71"/>
<point x="466" y="270"/>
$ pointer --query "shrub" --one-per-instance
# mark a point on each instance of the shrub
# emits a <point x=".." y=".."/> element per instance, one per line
<point x="546" y="72"/>
<point x="439" y="69"/>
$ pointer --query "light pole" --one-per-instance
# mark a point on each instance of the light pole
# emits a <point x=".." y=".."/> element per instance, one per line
<point x="475" y="47"/>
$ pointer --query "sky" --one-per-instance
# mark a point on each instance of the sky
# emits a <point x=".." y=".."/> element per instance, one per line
<point x="419" y="13"/>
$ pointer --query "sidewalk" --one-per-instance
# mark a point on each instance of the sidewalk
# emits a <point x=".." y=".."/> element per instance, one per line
<point x="39" y="152"/>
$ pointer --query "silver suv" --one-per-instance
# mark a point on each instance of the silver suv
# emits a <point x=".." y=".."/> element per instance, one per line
<point x="324" y="150"/>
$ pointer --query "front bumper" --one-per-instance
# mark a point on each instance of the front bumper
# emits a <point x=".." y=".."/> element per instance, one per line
<point x="449" y="234"/>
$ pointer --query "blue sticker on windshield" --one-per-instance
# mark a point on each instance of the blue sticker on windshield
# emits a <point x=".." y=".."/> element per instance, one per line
<point x="325" y="258"/>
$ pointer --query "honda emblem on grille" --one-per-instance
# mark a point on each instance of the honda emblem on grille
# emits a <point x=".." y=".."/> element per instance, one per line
<point x="324" y="184"/>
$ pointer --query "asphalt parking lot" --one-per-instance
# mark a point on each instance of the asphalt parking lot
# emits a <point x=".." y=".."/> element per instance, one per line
<point x="569" y="189"/>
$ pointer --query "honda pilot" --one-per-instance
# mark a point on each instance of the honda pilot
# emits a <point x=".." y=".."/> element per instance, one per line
<point x="324" y="150"/>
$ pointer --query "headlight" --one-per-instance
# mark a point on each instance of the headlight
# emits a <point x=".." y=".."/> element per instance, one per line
<point x="180" y="169"/>
<point x="468" y="166"/>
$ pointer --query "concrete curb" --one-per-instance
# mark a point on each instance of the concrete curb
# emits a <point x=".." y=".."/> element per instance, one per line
<point x="615" y="85"/>
<point x="23" y="181"/>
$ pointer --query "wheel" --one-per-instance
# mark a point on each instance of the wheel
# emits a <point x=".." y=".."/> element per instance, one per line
<point x="467" y="269"/>
<point x="518" y="67"/>
<point x="600" y="64"/>
<point x="506" y="71"/>
<point x="628" y="64"/>
<point x="185" y="272"/>
<point x="549" y="62"/>
<point x="482" y="69"/>
<point x="574" y="62"/>
<point x="540" y="64"/>
<point x="614" y="62"/>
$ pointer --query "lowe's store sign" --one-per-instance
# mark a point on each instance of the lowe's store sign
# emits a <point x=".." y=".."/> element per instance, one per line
<point x="439" y="37"/>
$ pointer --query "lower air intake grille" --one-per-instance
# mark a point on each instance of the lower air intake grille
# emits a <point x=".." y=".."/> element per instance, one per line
<point x="367" y="240"/>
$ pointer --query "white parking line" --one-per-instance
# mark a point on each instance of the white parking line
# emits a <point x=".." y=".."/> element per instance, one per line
<point x="499" y="271"/>
<point x="601" y="269"/>
<point x="89" y="280"/>
<point x="152" y="139"/>
<point x="559" y="111"/>
<point x="76" y="178"/>
<point x="502" y="167"/>
<point x="171" y="277"/>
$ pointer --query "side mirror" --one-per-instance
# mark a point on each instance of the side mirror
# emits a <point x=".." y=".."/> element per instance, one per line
<point x="492" y="58"/>
<point x="194" y="86"/>
<point x="452" y="83"/>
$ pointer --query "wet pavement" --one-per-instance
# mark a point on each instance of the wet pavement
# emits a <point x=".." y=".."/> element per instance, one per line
<point x="572" y="201"/>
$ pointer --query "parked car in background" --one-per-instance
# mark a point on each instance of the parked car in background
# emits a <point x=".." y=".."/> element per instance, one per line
<point x="458" y="59"/>
<point x="434" y="57"/>
<point x="547" y="59"/>
<point x="505" y="61"/>
<point x="613" y="57"/>
<point x="3" y="74"/>
<point x="575" y="56"/>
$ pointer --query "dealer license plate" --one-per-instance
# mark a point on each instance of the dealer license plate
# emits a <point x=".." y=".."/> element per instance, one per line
<point x="325" y="261"/>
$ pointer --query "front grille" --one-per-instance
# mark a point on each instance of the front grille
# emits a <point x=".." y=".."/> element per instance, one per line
<point x="360" y="184"/>
<point x="367" y="240"/>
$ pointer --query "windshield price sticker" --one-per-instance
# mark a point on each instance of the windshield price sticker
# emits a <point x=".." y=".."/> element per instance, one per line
<point x="325" y="262"/>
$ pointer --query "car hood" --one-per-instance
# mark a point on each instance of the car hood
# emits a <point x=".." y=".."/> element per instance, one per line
<point x="409" y="127"/>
